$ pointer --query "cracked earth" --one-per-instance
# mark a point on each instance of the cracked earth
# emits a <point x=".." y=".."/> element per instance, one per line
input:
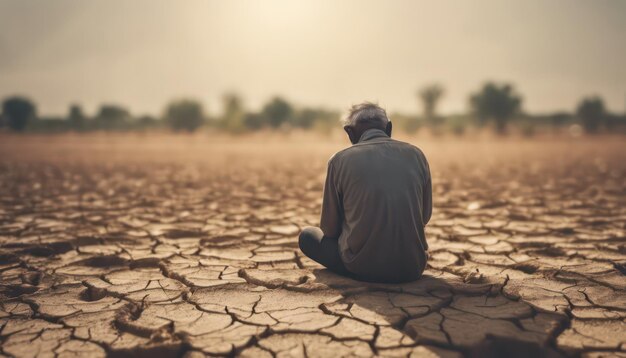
<point x="115" y="248"/>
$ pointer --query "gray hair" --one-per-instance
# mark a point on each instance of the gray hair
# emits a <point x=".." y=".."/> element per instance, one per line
<point x="366" y="113"/>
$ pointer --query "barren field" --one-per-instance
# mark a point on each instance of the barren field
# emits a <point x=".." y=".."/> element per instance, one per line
<point x="184" y="246"/>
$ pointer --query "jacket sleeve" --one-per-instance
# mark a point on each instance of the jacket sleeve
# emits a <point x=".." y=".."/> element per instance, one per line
<point x="427" y="198"/>
<point x="330" y="222"/>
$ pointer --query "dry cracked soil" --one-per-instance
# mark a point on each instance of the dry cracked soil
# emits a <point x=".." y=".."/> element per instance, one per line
<point x="165" y="246"/>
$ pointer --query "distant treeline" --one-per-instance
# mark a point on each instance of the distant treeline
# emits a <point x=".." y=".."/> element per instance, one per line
<point x="496" y="105"/>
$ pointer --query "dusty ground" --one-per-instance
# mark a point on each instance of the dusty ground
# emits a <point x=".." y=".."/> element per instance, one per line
<point x="183" y="246"/>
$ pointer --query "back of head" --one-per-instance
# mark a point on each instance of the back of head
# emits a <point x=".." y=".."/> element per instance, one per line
<point x="367" y="114"/>
<point x="364" y="116"/>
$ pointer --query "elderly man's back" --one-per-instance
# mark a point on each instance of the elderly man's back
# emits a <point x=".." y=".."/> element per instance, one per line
<point x="377" y="200"/>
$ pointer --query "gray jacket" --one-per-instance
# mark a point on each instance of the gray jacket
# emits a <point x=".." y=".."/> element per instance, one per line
<point x="377" y="200"/>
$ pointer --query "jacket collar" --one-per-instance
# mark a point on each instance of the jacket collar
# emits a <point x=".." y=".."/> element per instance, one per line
<point x="372" y="134"/>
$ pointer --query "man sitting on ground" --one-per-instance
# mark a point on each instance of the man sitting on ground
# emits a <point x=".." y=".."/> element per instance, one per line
<point x="377" y="200"/>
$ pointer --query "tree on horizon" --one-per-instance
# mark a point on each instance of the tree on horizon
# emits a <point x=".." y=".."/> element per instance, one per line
<point x="76" y="118"/>
<point x="184" y="115"/>
<point x="277" y="112"/>
<point x="18" y="112"/>
<point x="592" y="113"/>
<point x="496" y="102"/>
<point x="233" y="119"/>
<point x="430" y="96"/>
<point x="112" y="116"/>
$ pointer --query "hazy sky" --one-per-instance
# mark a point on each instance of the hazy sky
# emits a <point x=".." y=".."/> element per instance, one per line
<point x="142" y="53"/>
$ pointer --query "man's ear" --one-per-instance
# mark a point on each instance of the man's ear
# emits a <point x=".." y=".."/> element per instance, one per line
<point x="351" y="134"/>
<point x="388" y="129"/>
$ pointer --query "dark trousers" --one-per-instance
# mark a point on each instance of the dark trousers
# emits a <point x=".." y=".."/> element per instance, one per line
<point x="323" y="250"/>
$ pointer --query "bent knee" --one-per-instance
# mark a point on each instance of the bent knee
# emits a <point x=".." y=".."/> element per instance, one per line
<point x="309" y="235"/>
<point x="312" y="232"/>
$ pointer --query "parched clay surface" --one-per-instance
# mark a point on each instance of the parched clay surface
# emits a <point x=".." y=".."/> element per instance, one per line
<point x="115" y="255"/>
